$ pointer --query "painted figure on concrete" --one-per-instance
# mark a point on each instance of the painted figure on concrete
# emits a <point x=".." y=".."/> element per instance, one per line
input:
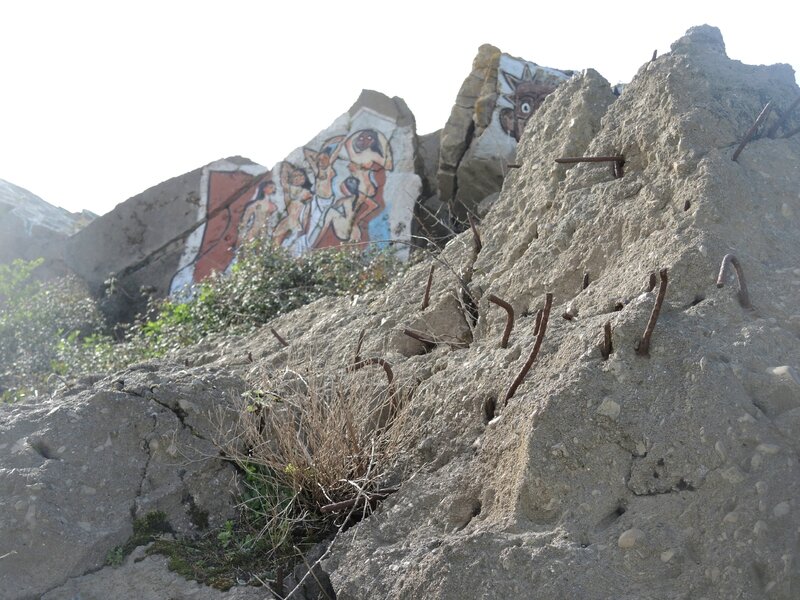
<point x="528" y="93"/>
<point x="228" y="193"/>
<point x="370" y="155"/>
<point x="297" y="196"/>
<point x="257" y="212"/>
<point x="327" y="194"/>
<point x="339" y="219"/>
<point x="321" y="164"/>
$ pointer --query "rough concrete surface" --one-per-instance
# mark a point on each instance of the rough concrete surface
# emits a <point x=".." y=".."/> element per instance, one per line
<point x="673" y="476"/>
<point x="77" y="469"/>
<point x="668" y="476"/>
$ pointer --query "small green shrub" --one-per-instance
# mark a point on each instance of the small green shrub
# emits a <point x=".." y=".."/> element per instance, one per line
<point x="37" y="320"/>
<point x="263" y="283"/>
<point x="53" y="330"/>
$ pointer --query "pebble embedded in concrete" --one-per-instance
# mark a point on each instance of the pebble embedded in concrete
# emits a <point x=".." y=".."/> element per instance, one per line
<point x="630" y="538"/>
<point x="781" y="509"/>
<point x="609" y="408"/>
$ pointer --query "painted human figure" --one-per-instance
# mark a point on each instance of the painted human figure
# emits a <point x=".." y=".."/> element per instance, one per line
<point x="321" y="164"/>
<point x="296" y="195"/>
<point x="341" y="218"/>
<point x="370" y="157"/>
<point x="257" y="212"/>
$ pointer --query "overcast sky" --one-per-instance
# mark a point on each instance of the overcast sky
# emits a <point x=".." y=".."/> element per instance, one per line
<point x="101" y="100"/>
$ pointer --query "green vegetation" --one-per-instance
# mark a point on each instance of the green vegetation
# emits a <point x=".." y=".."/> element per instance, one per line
<point x="329" y="437"/>
<point x="53" y="330"/>
<point x="145" y="530"/>
<point x="252" y="547"/>
<point x="36" y="320"/>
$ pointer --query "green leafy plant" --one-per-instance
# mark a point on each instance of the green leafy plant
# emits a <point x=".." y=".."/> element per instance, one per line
<point x="52" y="331"/>
<point x="37" y="321"/>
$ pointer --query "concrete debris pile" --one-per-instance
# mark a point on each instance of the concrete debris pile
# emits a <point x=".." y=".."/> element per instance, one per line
<point x="610" y="473"/>
<point x="552" y="451"/>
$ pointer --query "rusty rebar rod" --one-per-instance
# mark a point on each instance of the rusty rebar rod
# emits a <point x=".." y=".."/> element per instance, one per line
<point x="539" y="314"/>
<point x="509" y="318"/>
<point x="744" y="295"/>
<point x="476" y="237"/>
<point x="643" y="347"/>
<point x="426" y="298"/>
<point x="548" y="302"/>
<point x="585" y="283"/>
<point x="751" y="132"/>
<point x="580" y="159"/>
<point x="278" y="337"/>
<point x="419" y="336"/>
<point x="655" y="55"/>
<point x="606" y="347"/>
<point x="376" y="361"/>
<point x="782" y="118"/>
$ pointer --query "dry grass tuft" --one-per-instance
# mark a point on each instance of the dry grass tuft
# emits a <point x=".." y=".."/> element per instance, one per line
<point x="321" y="435"/>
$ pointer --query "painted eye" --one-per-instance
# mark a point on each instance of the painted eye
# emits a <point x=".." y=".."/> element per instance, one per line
<point x="525" y="108"/>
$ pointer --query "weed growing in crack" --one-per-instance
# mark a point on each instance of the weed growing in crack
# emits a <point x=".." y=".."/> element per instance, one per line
<point x="318" y="447"/>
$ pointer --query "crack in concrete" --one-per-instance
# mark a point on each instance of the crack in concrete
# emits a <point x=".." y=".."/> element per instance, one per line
<point x="177" y="411"/>
<point x="132" y="510"/>
<point x="181" y="416"/>
<point x="146" y="447"/>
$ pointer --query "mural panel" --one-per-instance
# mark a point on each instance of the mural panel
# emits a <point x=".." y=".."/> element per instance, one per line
<point x="350" y="185"/>
<point x="512" y="90"/>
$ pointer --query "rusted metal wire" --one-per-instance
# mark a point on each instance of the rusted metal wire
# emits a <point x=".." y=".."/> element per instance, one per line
<point x="426" y="298"/>
<point x="539" y="314"/>
<point x="476" y="237"/>
<point x="606" y="348"/>
<point x="751" y="132"/>
<point x="548" y="302"/>
<point x="376" y="361"/>
<point x="278" y="337"/>
<point x="419" y="336"/>
<point x="509" y="318"/>
<point x="744" y="295"/>
<point x="643" y="347"/>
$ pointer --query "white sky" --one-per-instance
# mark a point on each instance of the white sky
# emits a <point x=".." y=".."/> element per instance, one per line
<point x="101" y="100"/>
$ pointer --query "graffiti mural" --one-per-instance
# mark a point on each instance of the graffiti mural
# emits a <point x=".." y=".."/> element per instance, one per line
<point x="344" y="187"/>
<point x="527" y="94"/>
<point x="522" y="87"/>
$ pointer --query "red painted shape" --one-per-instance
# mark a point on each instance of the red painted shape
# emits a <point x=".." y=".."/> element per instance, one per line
<point x="228" y="192"/>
